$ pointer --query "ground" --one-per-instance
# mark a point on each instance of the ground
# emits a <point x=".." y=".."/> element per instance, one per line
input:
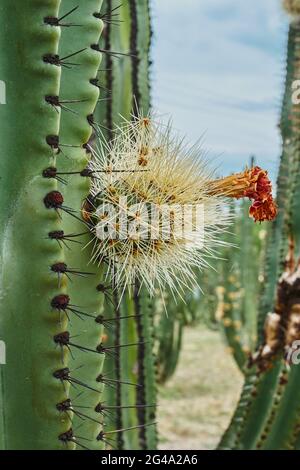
<point x="196" y="404"/>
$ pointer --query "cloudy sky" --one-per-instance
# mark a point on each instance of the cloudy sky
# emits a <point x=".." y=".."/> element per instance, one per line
<point x="218" y="71"/>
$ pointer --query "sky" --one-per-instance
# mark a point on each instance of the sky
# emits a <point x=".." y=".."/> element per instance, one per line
<point x="218" y="71"/>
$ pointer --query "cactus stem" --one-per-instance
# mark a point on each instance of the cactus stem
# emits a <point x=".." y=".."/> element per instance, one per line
<point x="140" y="398"/>
<point x="61" y="304"/>
<point x="135" y="62"/>
<point x="114" y="54"/>
<point x="102" y="436"/>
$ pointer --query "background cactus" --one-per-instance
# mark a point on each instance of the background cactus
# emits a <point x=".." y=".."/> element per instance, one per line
<point x="226" y="300"/>
<point x="267" y="416"/>
<point x="239" y="283"/>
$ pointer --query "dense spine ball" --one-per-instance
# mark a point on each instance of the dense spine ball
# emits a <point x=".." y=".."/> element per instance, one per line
<point x="159" y="185"/>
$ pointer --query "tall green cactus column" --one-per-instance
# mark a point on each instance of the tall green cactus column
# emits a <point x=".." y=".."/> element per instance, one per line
<point x="144" y="306"/>
<point x="79" y="89"/>
<point x="43" y="138"/>
<point x="28" y="321"/>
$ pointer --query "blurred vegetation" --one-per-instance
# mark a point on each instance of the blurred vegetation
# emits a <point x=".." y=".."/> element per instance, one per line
<point x="226" y="299"/>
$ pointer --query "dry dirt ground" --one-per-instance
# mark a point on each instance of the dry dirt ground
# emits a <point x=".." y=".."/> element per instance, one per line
<point x="196" y="404"/>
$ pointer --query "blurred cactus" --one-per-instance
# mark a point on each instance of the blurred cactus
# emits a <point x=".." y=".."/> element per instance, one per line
<point x="239" y="284"/>
<point x="168" y="334"/>
<point x="224" y="303"/>
<point x="267" y="416"/>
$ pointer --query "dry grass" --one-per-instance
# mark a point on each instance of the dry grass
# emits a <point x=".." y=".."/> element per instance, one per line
<point x="196" y="405"/>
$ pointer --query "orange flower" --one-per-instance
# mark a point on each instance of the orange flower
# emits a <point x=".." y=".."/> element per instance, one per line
<point x="260" y="185"/>
<point x="253" y="183"/>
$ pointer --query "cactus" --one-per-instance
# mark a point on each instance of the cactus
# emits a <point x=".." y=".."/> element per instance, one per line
<point x="36" y="295"/>
<point x="27" y="283"/>
<point x="130" y="72"/>
<point x="169" y="332"/>
<point x="84" y="290"/>
<point x="267" y="416"/>
<point x="239" y="285"/>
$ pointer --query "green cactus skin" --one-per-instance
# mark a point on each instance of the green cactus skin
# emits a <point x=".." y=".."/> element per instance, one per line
<point x="285" y="431"/>
<point x="135" y="365"/>
<point x="140" y="40"/>
<point x="251" y="249"/>
<point x="75" y="129"/>
<point x="28" y="416"/>
<point x="271" y="419"/>
<point x="129" y="371"/>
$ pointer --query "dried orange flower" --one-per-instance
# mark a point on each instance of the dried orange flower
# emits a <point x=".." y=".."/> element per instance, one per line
<point x="253" y="183"/>
<point x="263" y="210"/>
